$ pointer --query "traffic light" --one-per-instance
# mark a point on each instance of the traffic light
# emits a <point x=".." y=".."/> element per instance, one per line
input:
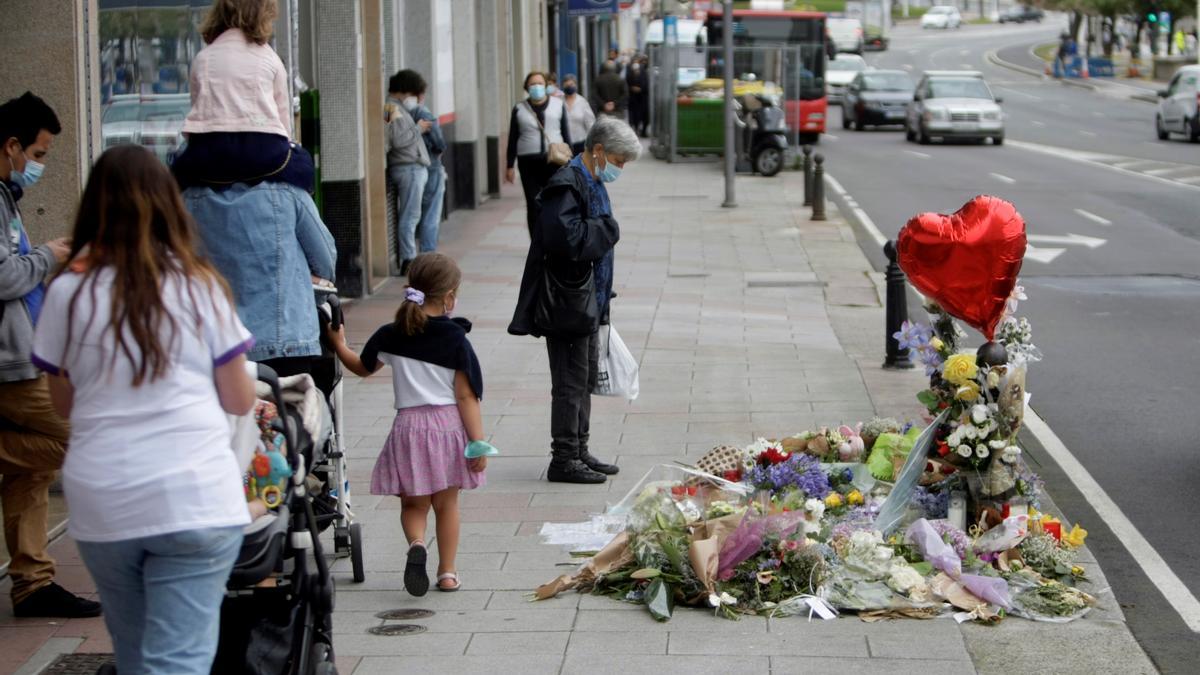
<point x="1152" y="17"/>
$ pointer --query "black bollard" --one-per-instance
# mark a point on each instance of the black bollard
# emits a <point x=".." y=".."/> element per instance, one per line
<point x="807" y="175"/>
<point x="897" y="311"/>
<point x="818" y="188"/>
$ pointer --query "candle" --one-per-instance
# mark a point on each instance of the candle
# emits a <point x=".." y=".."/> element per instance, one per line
<point x="957" y="513"/>
<point x="1053" y="527"/>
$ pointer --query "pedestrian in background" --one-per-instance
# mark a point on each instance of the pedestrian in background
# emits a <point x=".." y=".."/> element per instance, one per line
<point x="552" y="87"/>
<point x="33" y="436"/>
<point x="146" y="357"/>
<point x="408" y="160"/>
<point x="437" y="383"/>
<point x="536" y="123"/>
<point x="433" y="197"/>
<point x="572" y="248"/>
<point x="580" y="116"/>
<point x="638" y="81"/>
<point x="611" y="92"/>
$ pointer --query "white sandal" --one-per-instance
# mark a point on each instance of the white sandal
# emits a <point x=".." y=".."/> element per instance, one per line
<point x="448" y="589"/>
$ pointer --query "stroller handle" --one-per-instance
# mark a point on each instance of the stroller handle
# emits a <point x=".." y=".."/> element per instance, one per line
<point x="268" y="375"/>
<point x="335" y="307"/>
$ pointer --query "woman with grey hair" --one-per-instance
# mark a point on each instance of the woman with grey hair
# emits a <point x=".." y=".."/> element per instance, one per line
<point x="566" y="289"/>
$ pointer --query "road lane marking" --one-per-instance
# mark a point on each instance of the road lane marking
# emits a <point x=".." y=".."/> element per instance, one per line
<point x="922" y="155"/>
<point x="1097" y="113"/>
<point x="1071" y="239"/>
<point x="1170" y="169"/>
<point x="1133" y="163"/>
<point x="863" y="218"/>
<point x="1093" y="217"/>
<point x="1038" y="124"/>
<point x="1087" y="133"/>
<point x="1002" y="178"/>
<point x="1043" y="255"/>
<point x="1152" y="564"/>
<point x="964" y="52"/>
<point x="966" y="66"/>
<point x="1098" y="160"/>
<point x="907" y="66"/>
<point x="830" y="136"/>
<point x="1021" y="93"/>
<point x="1188" y="179"/>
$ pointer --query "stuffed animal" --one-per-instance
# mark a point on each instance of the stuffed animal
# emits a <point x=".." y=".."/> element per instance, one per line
<point x="269" y="473"/>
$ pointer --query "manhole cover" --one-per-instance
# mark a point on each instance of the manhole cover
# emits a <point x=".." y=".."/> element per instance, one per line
<point x="78" y="664"/>
<point x="397" y="629"/>
<point x="405" y="614"/>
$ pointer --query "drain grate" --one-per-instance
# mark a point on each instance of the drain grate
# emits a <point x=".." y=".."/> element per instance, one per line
<point x="78" y="664"/>
<point x="394" y="629"/>
<point x="405" y="614"/>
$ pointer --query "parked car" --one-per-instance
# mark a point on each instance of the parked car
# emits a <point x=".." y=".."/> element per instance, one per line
<point x="954" y="104"/>
<point x="1179" y="106"/>
<point x="839" y="73"/>
<point x="1021" y="14"/>
<point x="152" y="120"/>
<point x="941" y="16"/>
<point x="847" y="34"/>
<point x="876" y="97"/>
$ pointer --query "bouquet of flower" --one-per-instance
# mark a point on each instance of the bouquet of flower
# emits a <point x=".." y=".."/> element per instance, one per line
<point x="778" y="471"/>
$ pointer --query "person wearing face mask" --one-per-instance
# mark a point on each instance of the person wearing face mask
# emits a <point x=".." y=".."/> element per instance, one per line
<point x="572" y="247"/>
<point x="435" y="145"/>
<point x="535" y="123"/>
<point x="552" y="87"/>
<point x="638" y="82"/>
<point x="33" y="436"/>
<point x="407" y="161"/>
<point x="580" y="116"/>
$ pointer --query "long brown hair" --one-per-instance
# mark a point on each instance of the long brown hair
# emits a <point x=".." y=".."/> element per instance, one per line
<point x="436" y="276"/>
<point x="255" y="18"/>
<point x="132" y="219"/>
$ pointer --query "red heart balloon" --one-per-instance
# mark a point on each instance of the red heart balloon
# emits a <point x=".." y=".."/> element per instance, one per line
<point x="967" y="261"/>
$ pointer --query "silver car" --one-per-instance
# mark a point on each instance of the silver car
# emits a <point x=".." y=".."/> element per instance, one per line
<point x="954" y="104"/>
<point x="1179" y="109"/>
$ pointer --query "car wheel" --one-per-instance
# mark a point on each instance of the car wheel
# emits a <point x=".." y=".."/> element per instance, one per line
<point x="908" y="134"/>
<point x="922" y="137"/>
<point x="1159" y="129"/>
<point x="859" y="125"/>
<point x="1194" y="133"/>
<point x="997" y="140"/>
<point x="845" y="118"/>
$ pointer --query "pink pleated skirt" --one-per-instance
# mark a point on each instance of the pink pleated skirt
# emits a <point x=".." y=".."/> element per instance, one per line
<point x="424" y="454"/>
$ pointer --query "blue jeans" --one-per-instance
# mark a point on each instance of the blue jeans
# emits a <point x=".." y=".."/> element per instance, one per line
<point x="431" y="207"/>
<point x="409" y="180"/>
<point x="162" y="597"/>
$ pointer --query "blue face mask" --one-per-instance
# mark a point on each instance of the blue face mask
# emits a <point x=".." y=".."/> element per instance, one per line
<point x="537" y="92"/>
<point x="610" y="173"/>
<point x="33" y="171"/>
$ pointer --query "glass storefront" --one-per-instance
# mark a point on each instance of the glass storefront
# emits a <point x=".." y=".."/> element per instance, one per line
<point x="146" y="50"/>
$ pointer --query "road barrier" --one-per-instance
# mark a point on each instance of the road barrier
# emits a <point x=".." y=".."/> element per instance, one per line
<point x="818" y="187"/>
<point x="897" y="311"/>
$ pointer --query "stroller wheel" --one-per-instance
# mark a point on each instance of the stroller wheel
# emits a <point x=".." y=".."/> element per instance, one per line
<point x="356" y="552"/>
<point x="322" y="660"/>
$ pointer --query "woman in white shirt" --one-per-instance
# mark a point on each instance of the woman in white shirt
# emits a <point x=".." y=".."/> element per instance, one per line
<point x="145" y="356"/>
<point x="536" y="122"/>
<point x="580" y="117"/>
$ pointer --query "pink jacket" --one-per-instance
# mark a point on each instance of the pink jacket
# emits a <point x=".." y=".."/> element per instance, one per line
<point x="238" y="85"/>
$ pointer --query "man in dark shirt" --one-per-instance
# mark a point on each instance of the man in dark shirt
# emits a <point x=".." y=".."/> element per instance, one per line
<point x="611" y="92"/>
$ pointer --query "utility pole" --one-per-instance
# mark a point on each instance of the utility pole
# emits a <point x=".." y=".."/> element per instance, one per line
<point x="730" y="146"/>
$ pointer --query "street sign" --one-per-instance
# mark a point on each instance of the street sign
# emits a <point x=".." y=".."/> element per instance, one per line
<point x="592" y="7"/>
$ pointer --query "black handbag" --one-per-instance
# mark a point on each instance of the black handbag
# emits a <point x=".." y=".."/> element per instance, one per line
<point x="567" y="308"/>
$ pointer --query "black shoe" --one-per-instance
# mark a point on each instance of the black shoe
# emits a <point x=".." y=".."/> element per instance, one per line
<point x="598" y="466"/>
<point x="416" y="578"/>
<point x="404" y="267"/>
<point x="54" y="601"/>
<point x="574" y="472"/>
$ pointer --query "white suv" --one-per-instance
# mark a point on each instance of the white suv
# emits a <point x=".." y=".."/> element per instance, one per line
<point x="941" y="16"/>
<point x="1177" y="111"/>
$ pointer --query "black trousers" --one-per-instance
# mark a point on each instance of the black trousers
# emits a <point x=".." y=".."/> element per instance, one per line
<point x="574" y="366"/>
<point x="535" y="173"/>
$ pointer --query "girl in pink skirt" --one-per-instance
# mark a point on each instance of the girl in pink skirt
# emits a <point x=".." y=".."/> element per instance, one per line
<point x="438" y="384"/>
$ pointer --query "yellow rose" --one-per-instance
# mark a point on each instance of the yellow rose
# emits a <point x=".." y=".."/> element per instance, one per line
<point x="833" y="501"/>
<point x="855" y="498"/>
<point x="960" y="369"/>
<point x="968" y="392"/>
<point x="1075" y="537"/>
<point x="937" y="343"/>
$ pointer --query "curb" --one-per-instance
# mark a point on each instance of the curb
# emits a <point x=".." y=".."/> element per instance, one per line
<point x="995" y="59"/>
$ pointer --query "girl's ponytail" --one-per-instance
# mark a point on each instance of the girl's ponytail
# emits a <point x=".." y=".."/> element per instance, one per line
<point x="431" y="277"/>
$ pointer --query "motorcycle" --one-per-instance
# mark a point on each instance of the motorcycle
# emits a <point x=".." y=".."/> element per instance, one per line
<point x="764" y="133"/>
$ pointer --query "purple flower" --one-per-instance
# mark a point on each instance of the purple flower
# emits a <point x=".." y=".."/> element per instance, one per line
<point x="799" y="471"/>
<point x="913" y="335"/>
<point x="956" y="538"/>
<point x="933" y="505"/>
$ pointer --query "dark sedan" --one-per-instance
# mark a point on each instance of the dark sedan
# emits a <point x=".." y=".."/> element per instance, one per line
<point x="1021" y="14"/>
<point x="876" y="98"/>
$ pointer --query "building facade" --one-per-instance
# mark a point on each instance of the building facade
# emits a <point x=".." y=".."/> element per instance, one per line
<point x="116" y="71"/>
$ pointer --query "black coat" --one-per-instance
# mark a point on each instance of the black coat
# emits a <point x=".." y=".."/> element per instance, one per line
<point x="565" y="237"/>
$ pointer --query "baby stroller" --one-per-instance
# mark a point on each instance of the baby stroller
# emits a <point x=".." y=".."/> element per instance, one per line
<point x="277" y="615"/>
<point x="332" y="502"/>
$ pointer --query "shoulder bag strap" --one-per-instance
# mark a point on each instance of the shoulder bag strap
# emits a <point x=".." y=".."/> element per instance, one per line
<point x="545" y="138"/>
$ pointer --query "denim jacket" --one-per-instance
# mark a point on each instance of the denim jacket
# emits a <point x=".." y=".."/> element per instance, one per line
<point x="267" y="240"/>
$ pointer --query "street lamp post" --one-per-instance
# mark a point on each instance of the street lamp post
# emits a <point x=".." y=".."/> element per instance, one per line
<point x="730" y="150"/>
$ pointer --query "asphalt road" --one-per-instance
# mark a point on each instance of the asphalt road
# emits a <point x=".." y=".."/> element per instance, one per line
<point x="1115" y="309"/>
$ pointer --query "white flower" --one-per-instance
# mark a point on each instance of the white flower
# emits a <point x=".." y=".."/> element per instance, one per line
<point x="955" y="437"/>
<point x="979" y="414"/>
<point x="998" y="444"/>
<point x="993" y="379"/>
<point x="814" y="508"/>
<point x="902" y="578"/>
<point x="970" y="432"/>
<point x="964" y="450"/>
<point x="1011" y="453"/>
<point x="981" y="451"/>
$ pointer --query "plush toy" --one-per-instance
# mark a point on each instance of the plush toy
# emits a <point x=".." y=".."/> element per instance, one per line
<point x="269" y="473"/>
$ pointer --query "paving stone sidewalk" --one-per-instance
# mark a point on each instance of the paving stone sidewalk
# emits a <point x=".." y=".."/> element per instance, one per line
<point x="748" y="322"/>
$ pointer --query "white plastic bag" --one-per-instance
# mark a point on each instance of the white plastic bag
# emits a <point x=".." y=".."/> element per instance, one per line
<point x="618" y="369"/>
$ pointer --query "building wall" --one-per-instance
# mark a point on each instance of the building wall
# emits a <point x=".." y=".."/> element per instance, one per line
<point x="45" y="52"/>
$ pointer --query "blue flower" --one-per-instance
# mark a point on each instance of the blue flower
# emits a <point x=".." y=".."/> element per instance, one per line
<point x="913" y="335"/>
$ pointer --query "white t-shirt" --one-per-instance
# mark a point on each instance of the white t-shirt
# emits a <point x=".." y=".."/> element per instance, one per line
<point x="151" y="459"/>
<point x="417" y="383"/>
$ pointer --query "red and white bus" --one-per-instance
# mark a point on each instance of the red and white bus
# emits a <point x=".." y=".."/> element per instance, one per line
<point x="786" y="47"/>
